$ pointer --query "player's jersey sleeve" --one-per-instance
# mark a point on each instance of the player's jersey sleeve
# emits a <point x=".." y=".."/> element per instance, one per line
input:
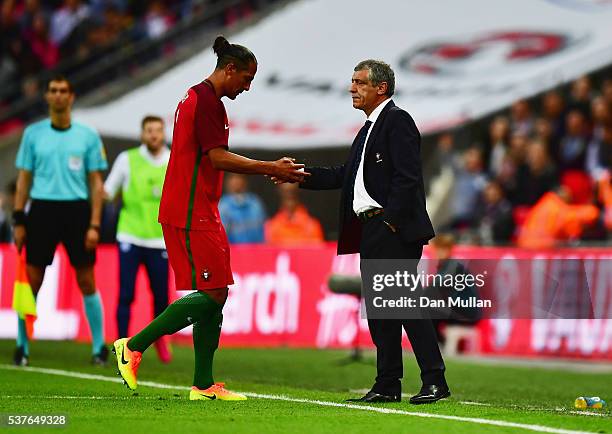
<point x="210" y="125"/>
<point x="25" y="155"/>
<point x="95" y="157"/>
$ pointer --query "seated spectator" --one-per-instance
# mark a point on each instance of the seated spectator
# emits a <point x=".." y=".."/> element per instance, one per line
<point x="31" y="8"/>
<point x="554" y="220"/>
<point x="580" y="96"/>
<point x="536" y="177"/>
<point x="41" y="45"/>
<point x="599" y="153"/>
<point x="158" y="19"/>
<point x="601" y="116"/>
<point x="553" y="110"/>
<point x="65" y="19"/>
<point x="292" y="225"/>
<point x="543" y="132"/>
<point x="499" y="132"/>
<point x="495" y="224"/>
<point x="521" y="120"/>
<point x="518" y="148"/>
<point x="242" y="212"/>
<point x="604" y="197"/>
<point x="572" y="148"/>
<point x="446" y="142"/>
<point x="469" y="182"/>
<point x="443" y="246"/>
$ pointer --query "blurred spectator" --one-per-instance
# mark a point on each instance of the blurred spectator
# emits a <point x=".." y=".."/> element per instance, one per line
<point x="7" y="203"/>
<point x="242" y="212"/>
<point x="443" y="246"/>
<point x="158" y="19"/>
<point x="292" y="225"/>
<point x="499" y="132"/>
<point x="553" y="220"/>
<point x="31" y="92"/>
<point x="543" y="132"/>
<point x="445" y="154"/>
<point x="572" y="148"/>
<point x="99" y="7"/>
<point x="65" y="19"/>
<point x="606" y="91"/>
<point x="40" y="44"/>
<point x="580" y="98"/>
<point x="599" y="153"/>
<point x="536" y="177"/>
<point x="521" y="119"/>
<point x="31" y="8"/>
<point x="469" y="182"/>
<point x="518" y="148"/>
<point x="495" y="223"/>
<point x="553" y="110"/>
<point x="601" y="116"/>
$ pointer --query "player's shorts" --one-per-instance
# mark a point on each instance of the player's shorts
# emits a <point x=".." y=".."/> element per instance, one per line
<point x="200" y="259"/>
<point x="50" y="222"/>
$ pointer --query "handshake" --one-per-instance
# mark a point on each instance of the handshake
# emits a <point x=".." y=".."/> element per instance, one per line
<point x="286" y="170"/>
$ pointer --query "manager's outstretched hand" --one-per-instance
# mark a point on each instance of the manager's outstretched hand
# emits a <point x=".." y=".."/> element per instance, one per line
<point x="287" y="170"/>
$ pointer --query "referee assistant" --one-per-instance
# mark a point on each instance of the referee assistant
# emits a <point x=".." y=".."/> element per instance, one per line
<point x="59" y="163"/>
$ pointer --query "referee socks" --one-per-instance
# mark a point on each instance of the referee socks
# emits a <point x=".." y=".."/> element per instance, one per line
<point x="95" y="317"/>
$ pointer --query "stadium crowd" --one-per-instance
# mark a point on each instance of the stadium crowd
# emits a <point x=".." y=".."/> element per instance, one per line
<point x="540" y="176"/>
<point x="38" y="36"/>
<point x="541" y="173"/>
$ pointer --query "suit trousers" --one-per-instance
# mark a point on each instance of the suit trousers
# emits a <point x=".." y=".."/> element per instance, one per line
<point x="378" y="241"/>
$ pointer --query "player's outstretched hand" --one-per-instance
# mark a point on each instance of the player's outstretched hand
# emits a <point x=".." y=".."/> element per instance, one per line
<point x="287" y="170"/>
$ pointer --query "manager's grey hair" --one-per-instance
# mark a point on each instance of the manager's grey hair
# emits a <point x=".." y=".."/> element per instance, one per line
<point x="378" y="72"/>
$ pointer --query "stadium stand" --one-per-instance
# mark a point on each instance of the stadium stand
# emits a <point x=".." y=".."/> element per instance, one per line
<point x="93" y="42"/>
<point x="562" y="138"/>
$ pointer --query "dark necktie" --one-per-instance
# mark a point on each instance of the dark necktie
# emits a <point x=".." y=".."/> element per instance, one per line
<point x="359" y="144"/>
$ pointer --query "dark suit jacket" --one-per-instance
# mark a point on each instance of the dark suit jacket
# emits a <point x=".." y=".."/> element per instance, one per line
<point x="392" y="177"/>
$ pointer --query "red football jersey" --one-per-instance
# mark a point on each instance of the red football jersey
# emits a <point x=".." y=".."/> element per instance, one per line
<point x="193" y="187"/>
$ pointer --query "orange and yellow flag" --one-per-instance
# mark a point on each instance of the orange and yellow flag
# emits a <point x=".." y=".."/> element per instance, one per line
<point x="24" y="302"/>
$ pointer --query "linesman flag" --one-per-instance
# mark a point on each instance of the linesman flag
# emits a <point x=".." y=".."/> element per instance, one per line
<point x="23" y="297"/>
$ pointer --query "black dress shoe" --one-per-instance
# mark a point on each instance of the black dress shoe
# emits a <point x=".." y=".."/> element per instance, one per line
<point x="376" y="397"/>
<point x="429" y="394"/>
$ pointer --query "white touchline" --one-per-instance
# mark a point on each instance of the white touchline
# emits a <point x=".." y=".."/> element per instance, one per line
<point x="95" y="398"/>
<point x="529" y="427"/>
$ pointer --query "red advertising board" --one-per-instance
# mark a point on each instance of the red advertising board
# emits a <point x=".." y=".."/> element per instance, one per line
<point x="281" y="298"/>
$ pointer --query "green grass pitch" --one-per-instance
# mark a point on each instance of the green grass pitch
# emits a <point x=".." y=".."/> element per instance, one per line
<point x="292" y="391"/>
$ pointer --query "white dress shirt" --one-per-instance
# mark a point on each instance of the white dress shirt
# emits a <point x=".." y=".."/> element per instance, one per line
<point x="361" y="199"/>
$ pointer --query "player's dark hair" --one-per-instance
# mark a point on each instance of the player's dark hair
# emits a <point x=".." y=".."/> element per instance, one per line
<point x="228" y="53"/>
<point x="60" y="77"/>
<point x="150" y="118"/>
<point x="378" y="72"/>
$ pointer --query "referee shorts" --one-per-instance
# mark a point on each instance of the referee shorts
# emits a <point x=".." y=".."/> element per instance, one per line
<point x="200" y="259"/>
<point x="50" y="222"/>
